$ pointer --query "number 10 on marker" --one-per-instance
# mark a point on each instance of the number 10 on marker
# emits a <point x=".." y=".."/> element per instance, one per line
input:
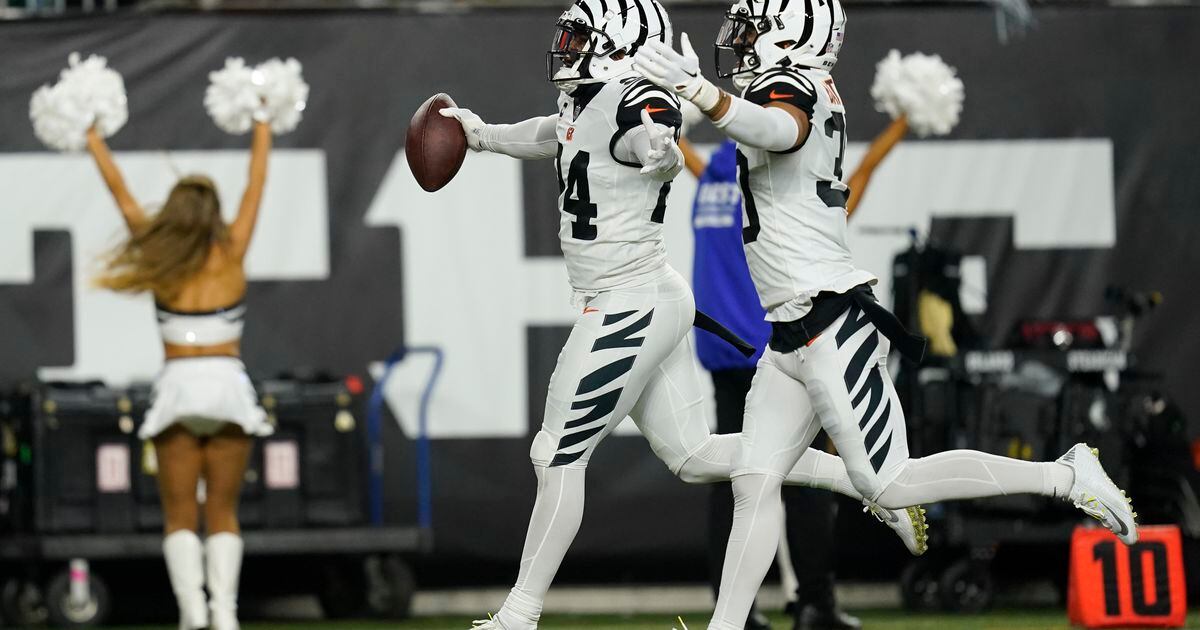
<point x="1118" y="585"/>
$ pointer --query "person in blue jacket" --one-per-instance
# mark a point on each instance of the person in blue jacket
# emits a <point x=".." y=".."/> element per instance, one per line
<point x="723" y="289"/>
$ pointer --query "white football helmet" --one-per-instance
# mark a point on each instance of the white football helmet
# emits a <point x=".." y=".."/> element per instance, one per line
<point x="763" y="34"/>
<point x="595" y="39"/>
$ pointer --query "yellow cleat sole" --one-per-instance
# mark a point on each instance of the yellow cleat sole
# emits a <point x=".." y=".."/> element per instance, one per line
<point x="920" y="528"/>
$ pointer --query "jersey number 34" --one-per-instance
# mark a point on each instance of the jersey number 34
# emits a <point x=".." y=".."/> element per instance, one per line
<point x="577" y="198"/>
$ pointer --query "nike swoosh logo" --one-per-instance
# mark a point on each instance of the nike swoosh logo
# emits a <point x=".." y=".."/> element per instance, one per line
<point x="590" y="310"/>
<point x="1124" y="527"/>
<point x="655" y="110"/>
<point x="775" y="94"/>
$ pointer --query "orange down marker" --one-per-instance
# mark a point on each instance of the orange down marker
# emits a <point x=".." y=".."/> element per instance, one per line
<point x="1112" y="585"/>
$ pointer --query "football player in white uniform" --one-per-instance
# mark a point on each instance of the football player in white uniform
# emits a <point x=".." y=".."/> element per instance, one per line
<point x="613" y="141"/>
<point x="825" y="367"/>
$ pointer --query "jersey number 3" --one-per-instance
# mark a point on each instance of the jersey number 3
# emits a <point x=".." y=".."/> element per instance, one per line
<point x="833" y="197"/>
<point x="751" y="229"/>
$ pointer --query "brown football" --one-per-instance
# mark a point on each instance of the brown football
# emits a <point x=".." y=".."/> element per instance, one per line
<point x="435" y="145"/>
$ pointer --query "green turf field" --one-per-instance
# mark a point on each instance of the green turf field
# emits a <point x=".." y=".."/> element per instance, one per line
<point x="875" y="620"/>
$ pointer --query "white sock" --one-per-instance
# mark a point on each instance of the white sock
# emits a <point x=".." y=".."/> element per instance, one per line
<point x="1057" y="480"/>
<point x="556" y="517"/>
<point x="184" y="555"/>
<point x="521" y="611"/>
<point x="224" y="552"/>
<point x="963" y="474"/>
<point x="753" y="540"/>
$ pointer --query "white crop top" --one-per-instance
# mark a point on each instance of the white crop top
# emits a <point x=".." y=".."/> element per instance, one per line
<point x="201" y="328"/>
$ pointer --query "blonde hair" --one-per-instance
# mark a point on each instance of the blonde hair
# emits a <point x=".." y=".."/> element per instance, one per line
<point x="164" y="252"/>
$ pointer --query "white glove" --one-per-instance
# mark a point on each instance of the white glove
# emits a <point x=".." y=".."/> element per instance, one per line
<point x="663" y="158"/>
<point x="677" y="72"/>
<point x="471" y="123"/>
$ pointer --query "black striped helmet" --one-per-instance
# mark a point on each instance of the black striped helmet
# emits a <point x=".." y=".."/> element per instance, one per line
<point x="761" y="34"/>
<point x="595" y="40"/>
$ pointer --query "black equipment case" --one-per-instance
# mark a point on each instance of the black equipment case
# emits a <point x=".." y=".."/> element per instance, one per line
<point x="93" y="474"/>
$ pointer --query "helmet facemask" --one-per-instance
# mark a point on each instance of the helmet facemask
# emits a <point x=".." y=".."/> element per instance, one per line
<point x="751" y="42"/>
<point x="735" y="55"/>
<point x="594" y="44"/>
<point x="569" y="59"/>
<point x="582" y="53"/>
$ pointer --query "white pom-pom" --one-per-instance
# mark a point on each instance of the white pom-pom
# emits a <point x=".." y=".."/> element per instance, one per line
<point x="56" y="120"/>
<point x="87" y="93"/>
<point x="923" y="88"/>
<point x="274" y="91"/>
<point x="232" y="98"/>
<point x="285" y="94"/>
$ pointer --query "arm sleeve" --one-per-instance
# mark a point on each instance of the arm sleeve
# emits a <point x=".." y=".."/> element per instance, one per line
<point x="663" y="109"/>
<point x="769" y="128"/>
<point x="533" y="139"/>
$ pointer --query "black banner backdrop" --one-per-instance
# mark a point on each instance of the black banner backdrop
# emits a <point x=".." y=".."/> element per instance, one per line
<point x="1084" y="72"/>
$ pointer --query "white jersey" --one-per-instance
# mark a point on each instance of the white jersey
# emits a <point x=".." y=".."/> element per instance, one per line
<point x="794" y="226"/>
<point x="610" y="213"/>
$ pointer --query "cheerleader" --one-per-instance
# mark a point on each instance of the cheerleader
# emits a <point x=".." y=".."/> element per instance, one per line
<point x="205" y="412"/>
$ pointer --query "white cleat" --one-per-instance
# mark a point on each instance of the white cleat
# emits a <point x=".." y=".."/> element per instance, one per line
<point x="909" y="524"/>
<point x="1096" y="494"/>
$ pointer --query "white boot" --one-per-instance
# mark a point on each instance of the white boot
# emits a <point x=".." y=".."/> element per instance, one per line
<point x="224" y="555"/>
<point x="1096" y="494"/>
<point x="185" y="565"/>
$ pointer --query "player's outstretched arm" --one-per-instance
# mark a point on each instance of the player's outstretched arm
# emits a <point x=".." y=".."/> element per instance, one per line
<point x="532" y="139"/>
<point x="880" y="147"/>
<point x="130" y="210"/>
<point x="775" y="126"/>
<point x="247" y="216"/>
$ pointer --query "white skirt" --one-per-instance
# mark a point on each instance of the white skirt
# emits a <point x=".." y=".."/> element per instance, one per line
<point x="204" y="394"/>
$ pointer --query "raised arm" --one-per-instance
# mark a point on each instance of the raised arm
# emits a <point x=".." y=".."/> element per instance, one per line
<point x="880" y="147"/>
<point x="129" y="207"/>
<point x="775" y="116"/>
<point x="243" y="226"/>
<point x="691" y="159"/>
<point x="774" y="126"/>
